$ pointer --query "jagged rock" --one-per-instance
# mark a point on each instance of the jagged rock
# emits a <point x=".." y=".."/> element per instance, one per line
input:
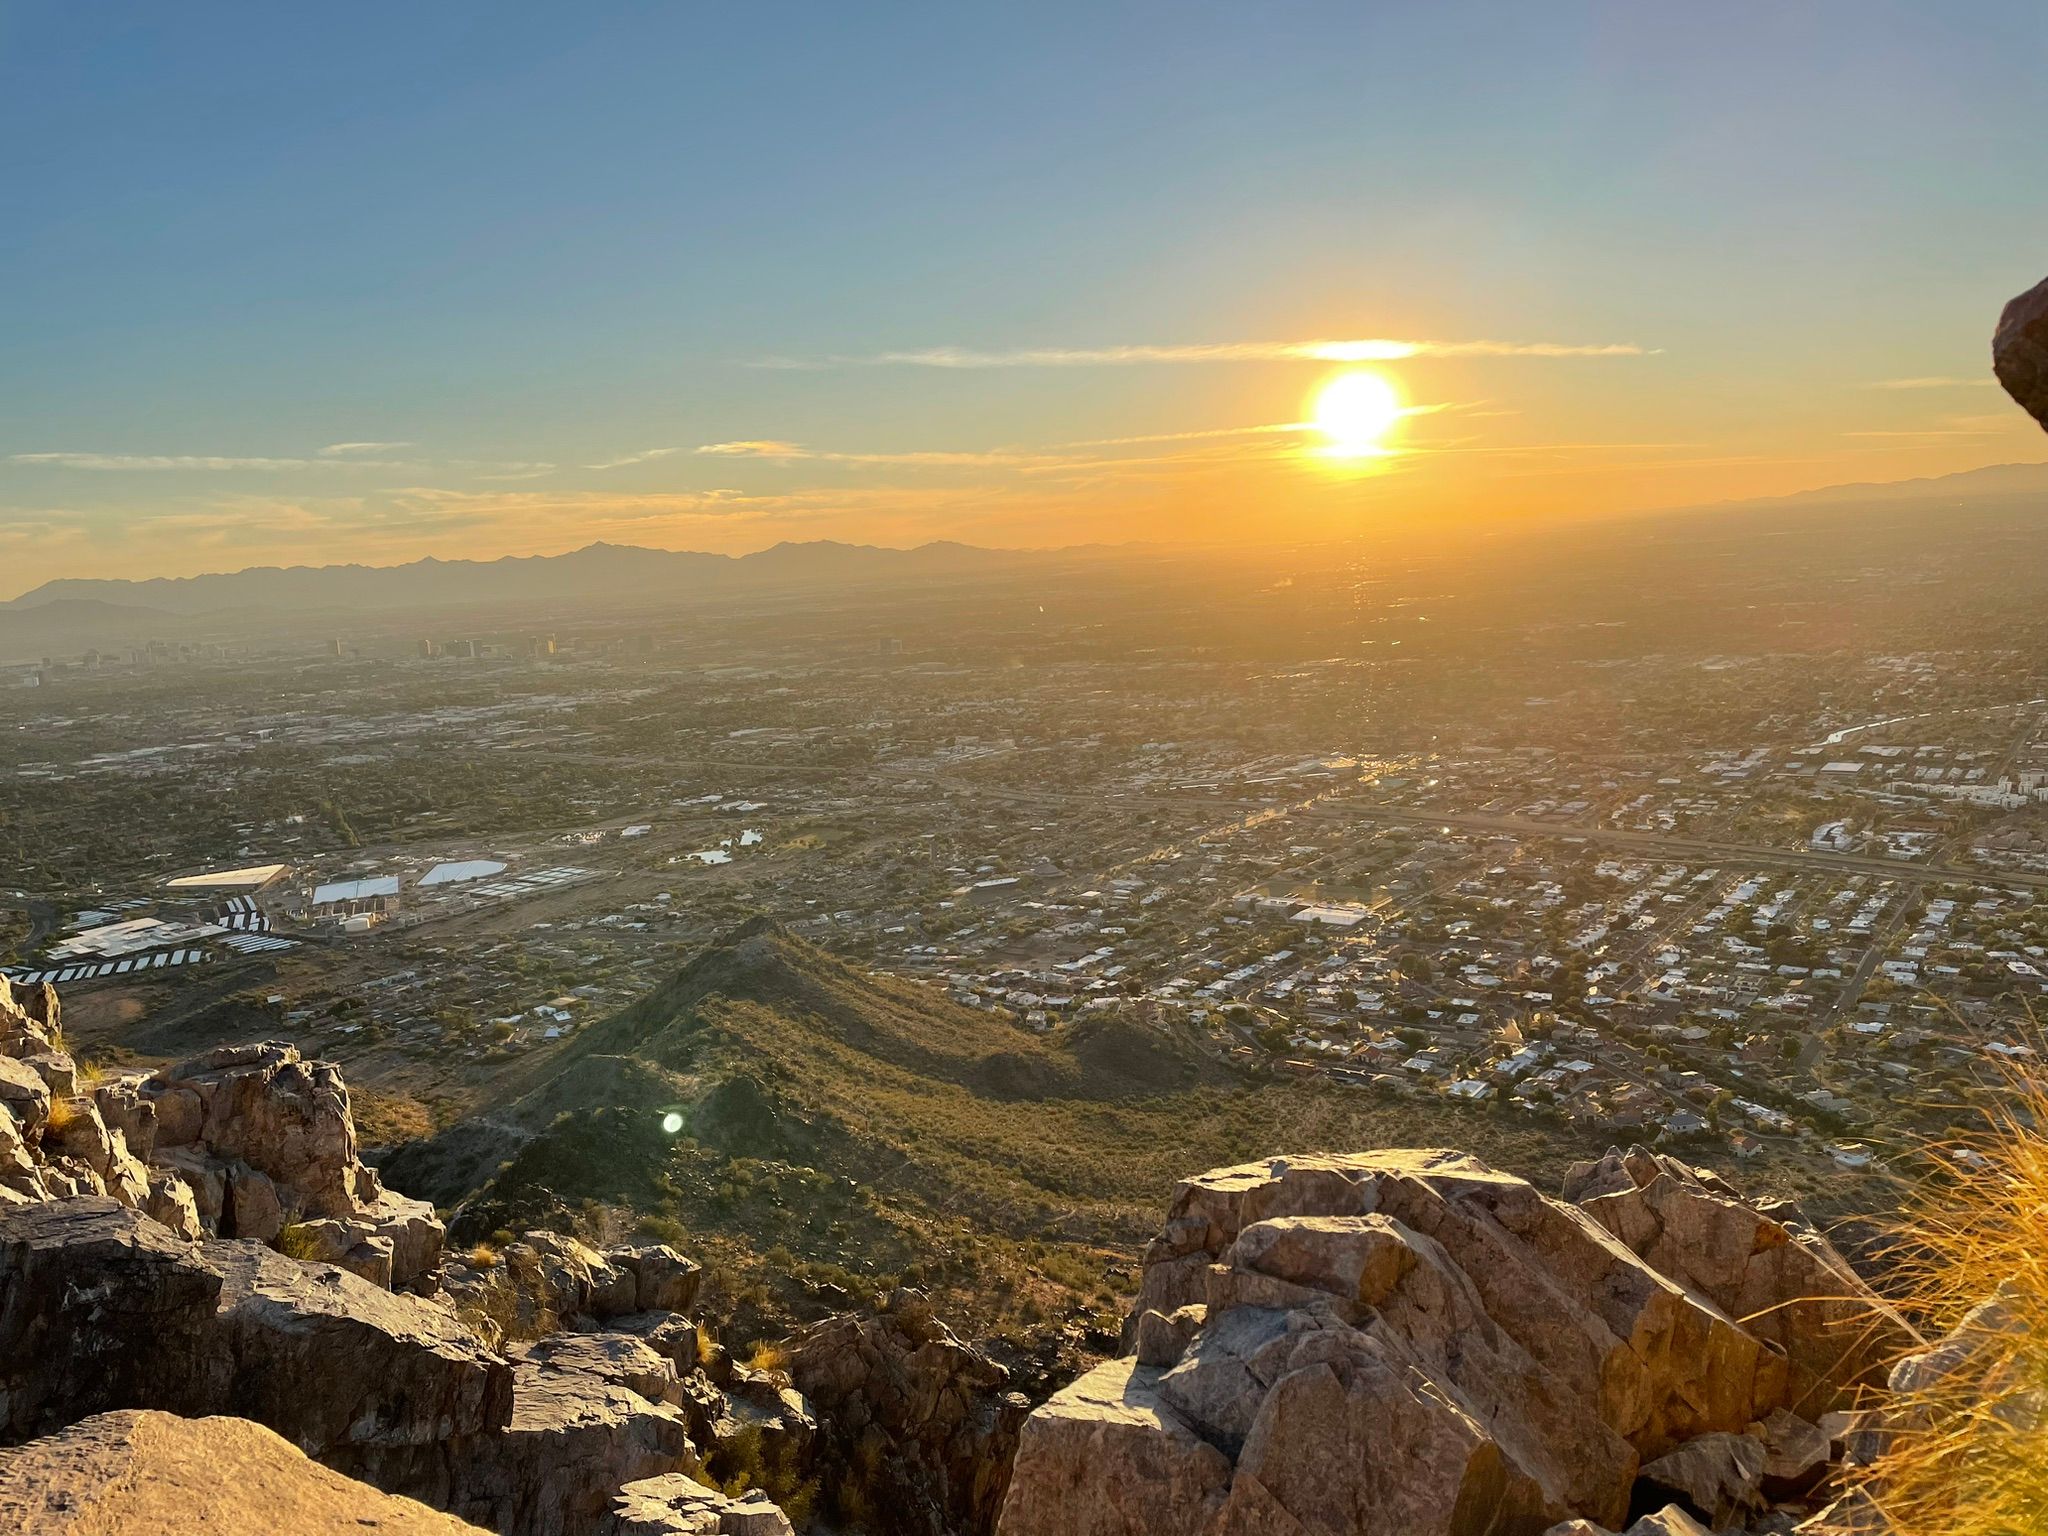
<point x="414" y="1232"/>
<point x="1718" y="1477"/>
<point x="1162" y="1340"/>
<point x="1105" y="1457"/>
<point x="573" y="1441"/>
<point x="617" y="1358"/>
<point x="929" y="1423"/>
<point x="1393" y="1341"/>
<point x="663" y="1280"/>
<point x="285" y="1117"/>
<point x="1796" y="1454"/>
<point x="206" y="1180"/>
<point x="100" y="1308"/>
<point x="558" y="1278"/>
<point x="1776" y="1276"/>
<point x="392" y="1371"/>
<point x="169" y="1200"/>
<point x="180" y="1114"/>
<point x="253" y="1209"/>
<point x="57" y="1070"/>
<point x="668" y="1334"/>
<point x="123" y="1107"/>
<point x="1668" y="1521"/>
<point x="140" y="1473"/>
<point x="25" y="1094"/>
<point x="2019" y="351"/>
<point x="28" y="1017"/>
<point x="679" y="1505"/>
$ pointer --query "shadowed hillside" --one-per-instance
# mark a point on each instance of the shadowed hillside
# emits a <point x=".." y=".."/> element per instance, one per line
<point x="823" y="1132"/>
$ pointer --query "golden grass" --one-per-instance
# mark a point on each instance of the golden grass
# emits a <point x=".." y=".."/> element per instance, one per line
<point x="1965" y="1453"/>
<point x="63" y="1113"/>
<point x="768" y="1357"/>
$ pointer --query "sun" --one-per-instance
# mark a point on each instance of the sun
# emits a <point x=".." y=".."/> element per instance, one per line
<point x="1354" y="412"/>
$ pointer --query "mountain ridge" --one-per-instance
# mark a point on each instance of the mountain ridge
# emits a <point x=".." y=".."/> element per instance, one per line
<point x="598" y="568"/>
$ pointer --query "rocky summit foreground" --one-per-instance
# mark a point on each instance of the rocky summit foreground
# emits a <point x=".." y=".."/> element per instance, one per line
<point x="1415" y="1344"/>
<point x="209" y="1308"/>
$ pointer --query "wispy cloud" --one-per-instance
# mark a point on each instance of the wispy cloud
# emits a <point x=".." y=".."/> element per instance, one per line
<point x="784" y="452"/>
<point x="644" y="456"/>
<point x="172" y="461"/>
<point x="340" y="450"/>
<point x="756" y="448"/>
<point x="1931" y="381"/>
<point x="1359" y="350"/>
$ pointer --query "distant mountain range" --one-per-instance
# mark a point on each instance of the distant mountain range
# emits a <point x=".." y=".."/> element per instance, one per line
<point x="72" y="612"/>
<point x="1994" y="482"/>
<point x="609" y="571"/>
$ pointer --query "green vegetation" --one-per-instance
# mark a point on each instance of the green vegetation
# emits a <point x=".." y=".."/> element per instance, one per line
<point x="841" y="1133"/>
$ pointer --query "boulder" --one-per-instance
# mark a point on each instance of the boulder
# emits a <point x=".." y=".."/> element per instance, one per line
<point x="1389" y="1342"/>
<point x="143" y="1473"/>
<point x="663" y="1280"/>
<point x="1772" y="1273"/>
<point x="57" y="1070"/>
<point x="1716" y="1477"/>
<point x="557" y="1279"/>
<point x="100" y="1308"/>
<point x="1162" y="1340"/>
<point x="253" y="1209"/>
<point x="169" y="1200"/>
<point x="2019" y="351"/>
<point x="344" y="1368"/>
<point x="24" y="1093"/>
<point x="679" y="1505"/>
<point x="574" y="1440"/>
<point x="285" y="1117"/>
<point x="1796" y="1454"/>
<point x="668" y="1334"/>
<point x="180" y="1115"/>
<point x="617" y="1358"/>
<point x="926" y="1425"/>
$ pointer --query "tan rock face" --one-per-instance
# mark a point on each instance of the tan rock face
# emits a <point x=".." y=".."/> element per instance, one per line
<point x="679" y="1505"/>
<point x="1775" y="1276"/>
<point x="143" y="1473"/>
<point x="1406" y="1342"/>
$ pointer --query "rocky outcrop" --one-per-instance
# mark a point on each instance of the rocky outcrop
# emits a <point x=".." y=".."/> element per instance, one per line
<point x="578" y="1434"/>
<point x="101" y="1308"/>
<point x="927" y="1424"/>
<point x="355" y="1374"/>
<point x="260" y="1140"/>
<point x="1766" y="1267"/>
<point x="143" y="1473"/>
<point x="679" y="1505"/>
<point x="2019" y="351"/>
<point x="546" y="1281"/>
<point x="1416" y="1343"/>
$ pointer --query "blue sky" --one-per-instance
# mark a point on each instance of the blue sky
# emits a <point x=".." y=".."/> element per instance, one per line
<point x="510" y="243"/>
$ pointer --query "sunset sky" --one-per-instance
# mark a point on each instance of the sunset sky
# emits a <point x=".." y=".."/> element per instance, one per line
<point x="371" y="282"/>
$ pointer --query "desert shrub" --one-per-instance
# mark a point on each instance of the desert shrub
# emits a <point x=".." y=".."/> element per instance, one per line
<point x="1966" y="1452"/>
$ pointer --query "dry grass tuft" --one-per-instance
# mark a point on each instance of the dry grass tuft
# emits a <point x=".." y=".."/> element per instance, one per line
<point x="1966" y="1446"/>
<point x="769" y="1358"/>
